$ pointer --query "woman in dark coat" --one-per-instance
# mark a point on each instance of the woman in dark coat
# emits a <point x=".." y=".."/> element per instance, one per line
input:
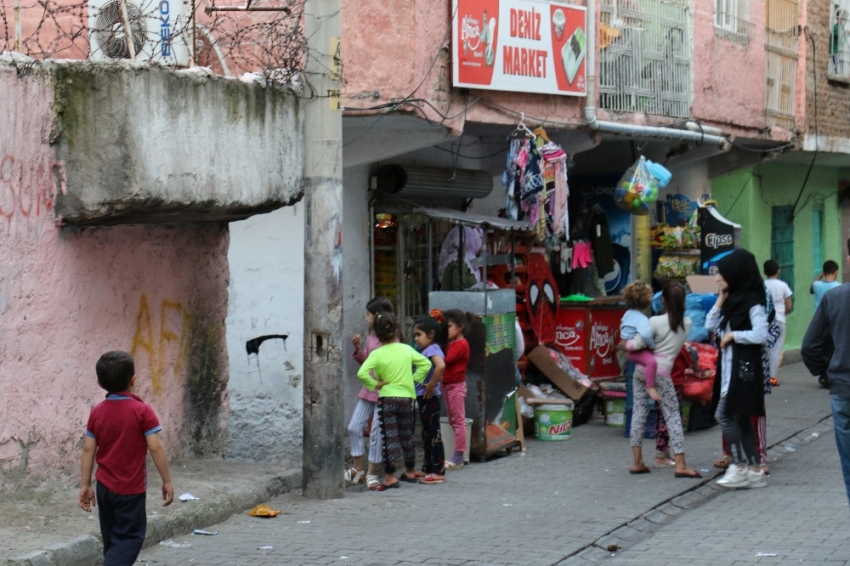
<point x="740" y="323"/>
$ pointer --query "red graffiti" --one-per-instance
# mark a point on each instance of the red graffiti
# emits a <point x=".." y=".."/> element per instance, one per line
<point x="29" y="190"/>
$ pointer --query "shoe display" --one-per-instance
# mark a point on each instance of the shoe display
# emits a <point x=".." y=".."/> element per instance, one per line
<point x="756" y="479"/>
<point x="735" y="476"/>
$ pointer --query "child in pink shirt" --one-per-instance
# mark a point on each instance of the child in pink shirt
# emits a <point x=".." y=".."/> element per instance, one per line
<point x="367" y="405"/>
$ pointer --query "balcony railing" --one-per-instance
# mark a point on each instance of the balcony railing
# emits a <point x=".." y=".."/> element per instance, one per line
<point x="645" y="57"/>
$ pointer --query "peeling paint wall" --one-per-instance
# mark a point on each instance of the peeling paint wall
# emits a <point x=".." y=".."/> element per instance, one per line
<point x="69" y="294"/>
<point x="266" y="299"/>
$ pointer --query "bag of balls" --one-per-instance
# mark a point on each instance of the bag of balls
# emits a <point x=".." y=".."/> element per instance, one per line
<point x="637" y="191"/>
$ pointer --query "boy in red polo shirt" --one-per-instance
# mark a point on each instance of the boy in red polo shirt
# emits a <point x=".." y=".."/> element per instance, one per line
<point x="119" y="433"/>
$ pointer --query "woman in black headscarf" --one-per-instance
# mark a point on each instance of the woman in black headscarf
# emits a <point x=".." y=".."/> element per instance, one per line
<point x="740" y="323"/>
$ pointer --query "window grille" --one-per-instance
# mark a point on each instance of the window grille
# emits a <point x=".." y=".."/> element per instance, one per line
<point x="732" y="20"/>
<point x="781" y="52"/>
<point x="839" y="40"/>
<point x="645" y="57"/>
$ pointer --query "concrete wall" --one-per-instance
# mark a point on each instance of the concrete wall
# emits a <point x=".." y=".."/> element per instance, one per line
<point x="778" y="184"/>
<point x="266" y="288"/>
<point x="357" y="272"/>
<point x="141" y="143"/>
<point x="68" y="295"/>
<point x="721" y="93"/>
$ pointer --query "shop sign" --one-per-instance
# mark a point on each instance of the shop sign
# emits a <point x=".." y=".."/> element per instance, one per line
<point x="570" y="337"/>
<point x="519" y="45"/>
<point x="604" y="336"/>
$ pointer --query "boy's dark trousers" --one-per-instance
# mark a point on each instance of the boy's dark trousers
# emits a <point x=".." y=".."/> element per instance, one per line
<point x="123" y="523"/>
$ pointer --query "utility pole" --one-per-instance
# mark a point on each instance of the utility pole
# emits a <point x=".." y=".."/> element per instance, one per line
<point x="324" y="425"/>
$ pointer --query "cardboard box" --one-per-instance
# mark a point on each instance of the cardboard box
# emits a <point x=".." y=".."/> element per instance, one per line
<point x="539" y="356"/>
<point x="703" y="284"/>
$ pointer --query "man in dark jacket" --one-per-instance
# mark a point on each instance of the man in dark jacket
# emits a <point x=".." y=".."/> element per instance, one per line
<point x="826" y="352"/>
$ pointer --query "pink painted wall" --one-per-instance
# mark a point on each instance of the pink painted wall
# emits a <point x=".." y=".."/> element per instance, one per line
<point x="729" y="83"/>
<point x="68" y="295"/>
<point x="388" y="47"/>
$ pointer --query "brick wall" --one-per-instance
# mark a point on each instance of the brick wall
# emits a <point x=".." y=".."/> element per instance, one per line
<point x="833" y="98"/>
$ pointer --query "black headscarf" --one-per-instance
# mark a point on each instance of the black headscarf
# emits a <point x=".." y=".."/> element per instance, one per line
<point x="746" y="288"/>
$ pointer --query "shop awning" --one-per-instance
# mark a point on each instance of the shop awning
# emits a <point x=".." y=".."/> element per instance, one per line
<point x="470" y="219"/>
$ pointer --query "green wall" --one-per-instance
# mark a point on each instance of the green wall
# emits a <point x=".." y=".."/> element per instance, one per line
<point x="778" y="184"/>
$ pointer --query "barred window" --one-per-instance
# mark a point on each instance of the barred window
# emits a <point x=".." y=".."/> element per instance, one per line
<point x="839" y="44"/>
<point x="732" y="19"/>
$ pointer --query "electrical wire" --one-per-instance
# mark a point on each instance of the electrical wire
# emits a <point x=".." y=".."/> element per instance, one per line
<point x="744" y="186"/>
<point x="500" y="152"/>
<point x="410" y="96"/>
<point x="794" y="211"/>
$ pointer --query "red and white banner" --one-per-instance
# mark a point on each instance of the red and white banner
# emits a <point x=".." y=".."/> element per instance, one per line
<point x="519" y="45"/>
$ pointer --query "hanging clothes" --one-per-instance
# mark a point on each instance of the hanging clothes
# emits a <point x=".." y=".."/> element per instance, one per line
<point x="600" y="236"/>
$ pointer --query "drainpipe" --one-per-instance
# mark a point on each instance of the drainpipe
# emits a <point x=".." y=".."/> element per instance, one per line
<point x="715" y="137"/>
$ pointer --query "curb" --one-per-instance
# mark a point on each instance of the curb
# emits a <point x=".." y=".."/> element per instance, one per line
<point x="635" y="530"/>
<point x="87" y="550"/>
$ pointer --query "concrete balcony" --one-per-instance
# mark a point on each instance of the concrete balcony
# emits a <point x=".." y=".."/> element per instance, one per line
<point x="141" y="143"/>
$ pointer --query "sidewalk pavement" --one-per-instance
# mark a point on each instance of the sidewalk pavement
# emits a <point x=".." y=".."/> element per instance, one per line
<point x="44" y="526"/>
<point x="560" y="503"/>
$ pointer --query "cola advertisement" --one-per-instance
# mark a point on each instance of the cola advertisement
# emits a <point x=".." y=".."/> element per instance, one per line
<point x="588" y="337"/>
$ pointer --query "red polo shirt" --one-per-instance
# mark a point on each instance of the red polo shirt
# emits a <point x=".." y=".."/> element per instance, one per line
<point x="120" y="426"/>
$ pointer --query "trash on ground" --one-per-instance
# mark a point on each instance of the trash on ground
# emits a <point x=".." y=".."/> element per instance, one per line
<point x="206" y="533"/>
<point x="263" y="510"/>
<point x="189" y="497"/>
<point x="613" y="547"/>
<point x="704" y="470"/>
<point x="302" y="522"/>
<point x="815" y="435"/>
<point x="507" y="504"/>
<point x="791" y="448"/>
<point x="763" y="554"/>
<point x="265" y="547"/>
<point x="175" y="544"/>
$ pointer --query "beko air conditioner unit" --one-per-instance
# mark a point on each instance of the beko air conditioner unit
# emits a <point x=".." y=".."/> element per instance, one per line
<point x="157" y="27"/>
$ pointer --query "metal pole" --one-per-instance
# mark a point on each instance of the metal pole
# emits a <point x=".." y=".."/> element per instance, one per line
<point x="193" y="37"/>
<point x="128" y="34"/>
<point x="18" y="33"/>
<point x="461" y="256"/>
<point x="324" y="408"/>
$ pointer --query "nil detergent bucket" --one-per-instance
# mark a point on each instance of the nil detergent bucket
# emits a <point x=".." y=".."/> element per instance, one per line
<point x="554" y="421"/>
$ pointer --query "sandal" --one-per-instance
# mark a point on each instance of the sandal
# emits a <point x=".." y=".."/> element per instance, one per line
<point x="355" y="476"/>
<point x="452" y="466"/>
<point x="407" y="479"/>
<point x="667" y="463"/>
<point x="431" y="479"/>
<point x="643" y="470"/>
<point x="383" y="487"/>
<point x="723" y="462"/>
<point x="373" y="482"/>
<point x="690" y="474"/>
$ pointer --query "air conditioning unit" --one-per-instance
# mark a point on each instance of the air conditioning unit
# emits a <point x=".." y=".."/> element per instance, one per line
<point x="158" y="29"/>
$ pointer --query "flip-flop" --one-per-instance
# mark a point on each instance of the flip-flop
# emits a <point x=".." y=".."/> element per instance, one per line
<point x="643" y="470"/>
<point x="420" y="474"/>
<point x="406" y="479"/>
<point x="694" y="476"/>
<point x="383" y="487"/>
<point x="429" y="479"/>
<point x="668" y="464"/>
<point x="723" y="462"/>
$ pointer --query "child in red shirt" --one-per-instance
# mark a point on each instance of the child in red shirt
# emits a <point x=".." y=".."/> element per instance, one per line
<point x="119" y="433"/>
<point x="454" y="383"/>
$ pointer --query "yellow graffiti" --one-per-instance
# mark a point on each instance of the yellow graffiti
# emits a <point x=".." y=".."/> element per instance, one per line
<point x="172" y="315"/>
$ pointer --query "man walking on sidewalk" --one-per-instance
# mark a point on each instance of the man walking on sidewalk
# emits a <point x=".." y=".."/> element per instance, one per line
<point x="826" y="352"/>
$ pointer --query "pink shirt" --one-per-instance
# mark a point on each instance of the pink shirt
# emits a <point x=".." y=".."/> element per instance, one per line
<point x="372" y="343"/>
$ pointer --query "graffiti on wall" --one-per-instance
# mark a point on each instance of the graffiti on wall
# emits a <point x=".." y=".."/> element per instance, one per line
<point x="163" y="339"/>
<point x="29" y="190"/>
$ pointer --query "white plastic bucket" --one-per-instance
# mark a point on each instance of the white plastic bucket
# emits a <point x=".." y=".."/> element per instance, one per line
<point x="448" y="434"/>
<point x="615" y="412"/>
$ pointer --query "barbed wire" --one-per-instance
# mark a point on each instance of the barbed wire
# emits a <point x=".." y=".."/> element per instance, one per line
<point x="267" y="39"/>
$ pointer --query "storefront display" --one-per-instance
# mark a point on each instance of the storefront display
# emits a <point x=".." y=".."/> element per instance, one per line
<point x="588" y="333"/>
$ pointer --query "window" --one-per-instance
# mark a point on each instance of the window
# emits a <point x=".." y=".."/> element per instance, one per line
<point x="732" y="19"/>
<point x="839" y="45"/>
<point x="781" y="38"/>
<point x="817" y="238"/>
<point x="782" y="241"/>
<point x="645" y="56"/>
